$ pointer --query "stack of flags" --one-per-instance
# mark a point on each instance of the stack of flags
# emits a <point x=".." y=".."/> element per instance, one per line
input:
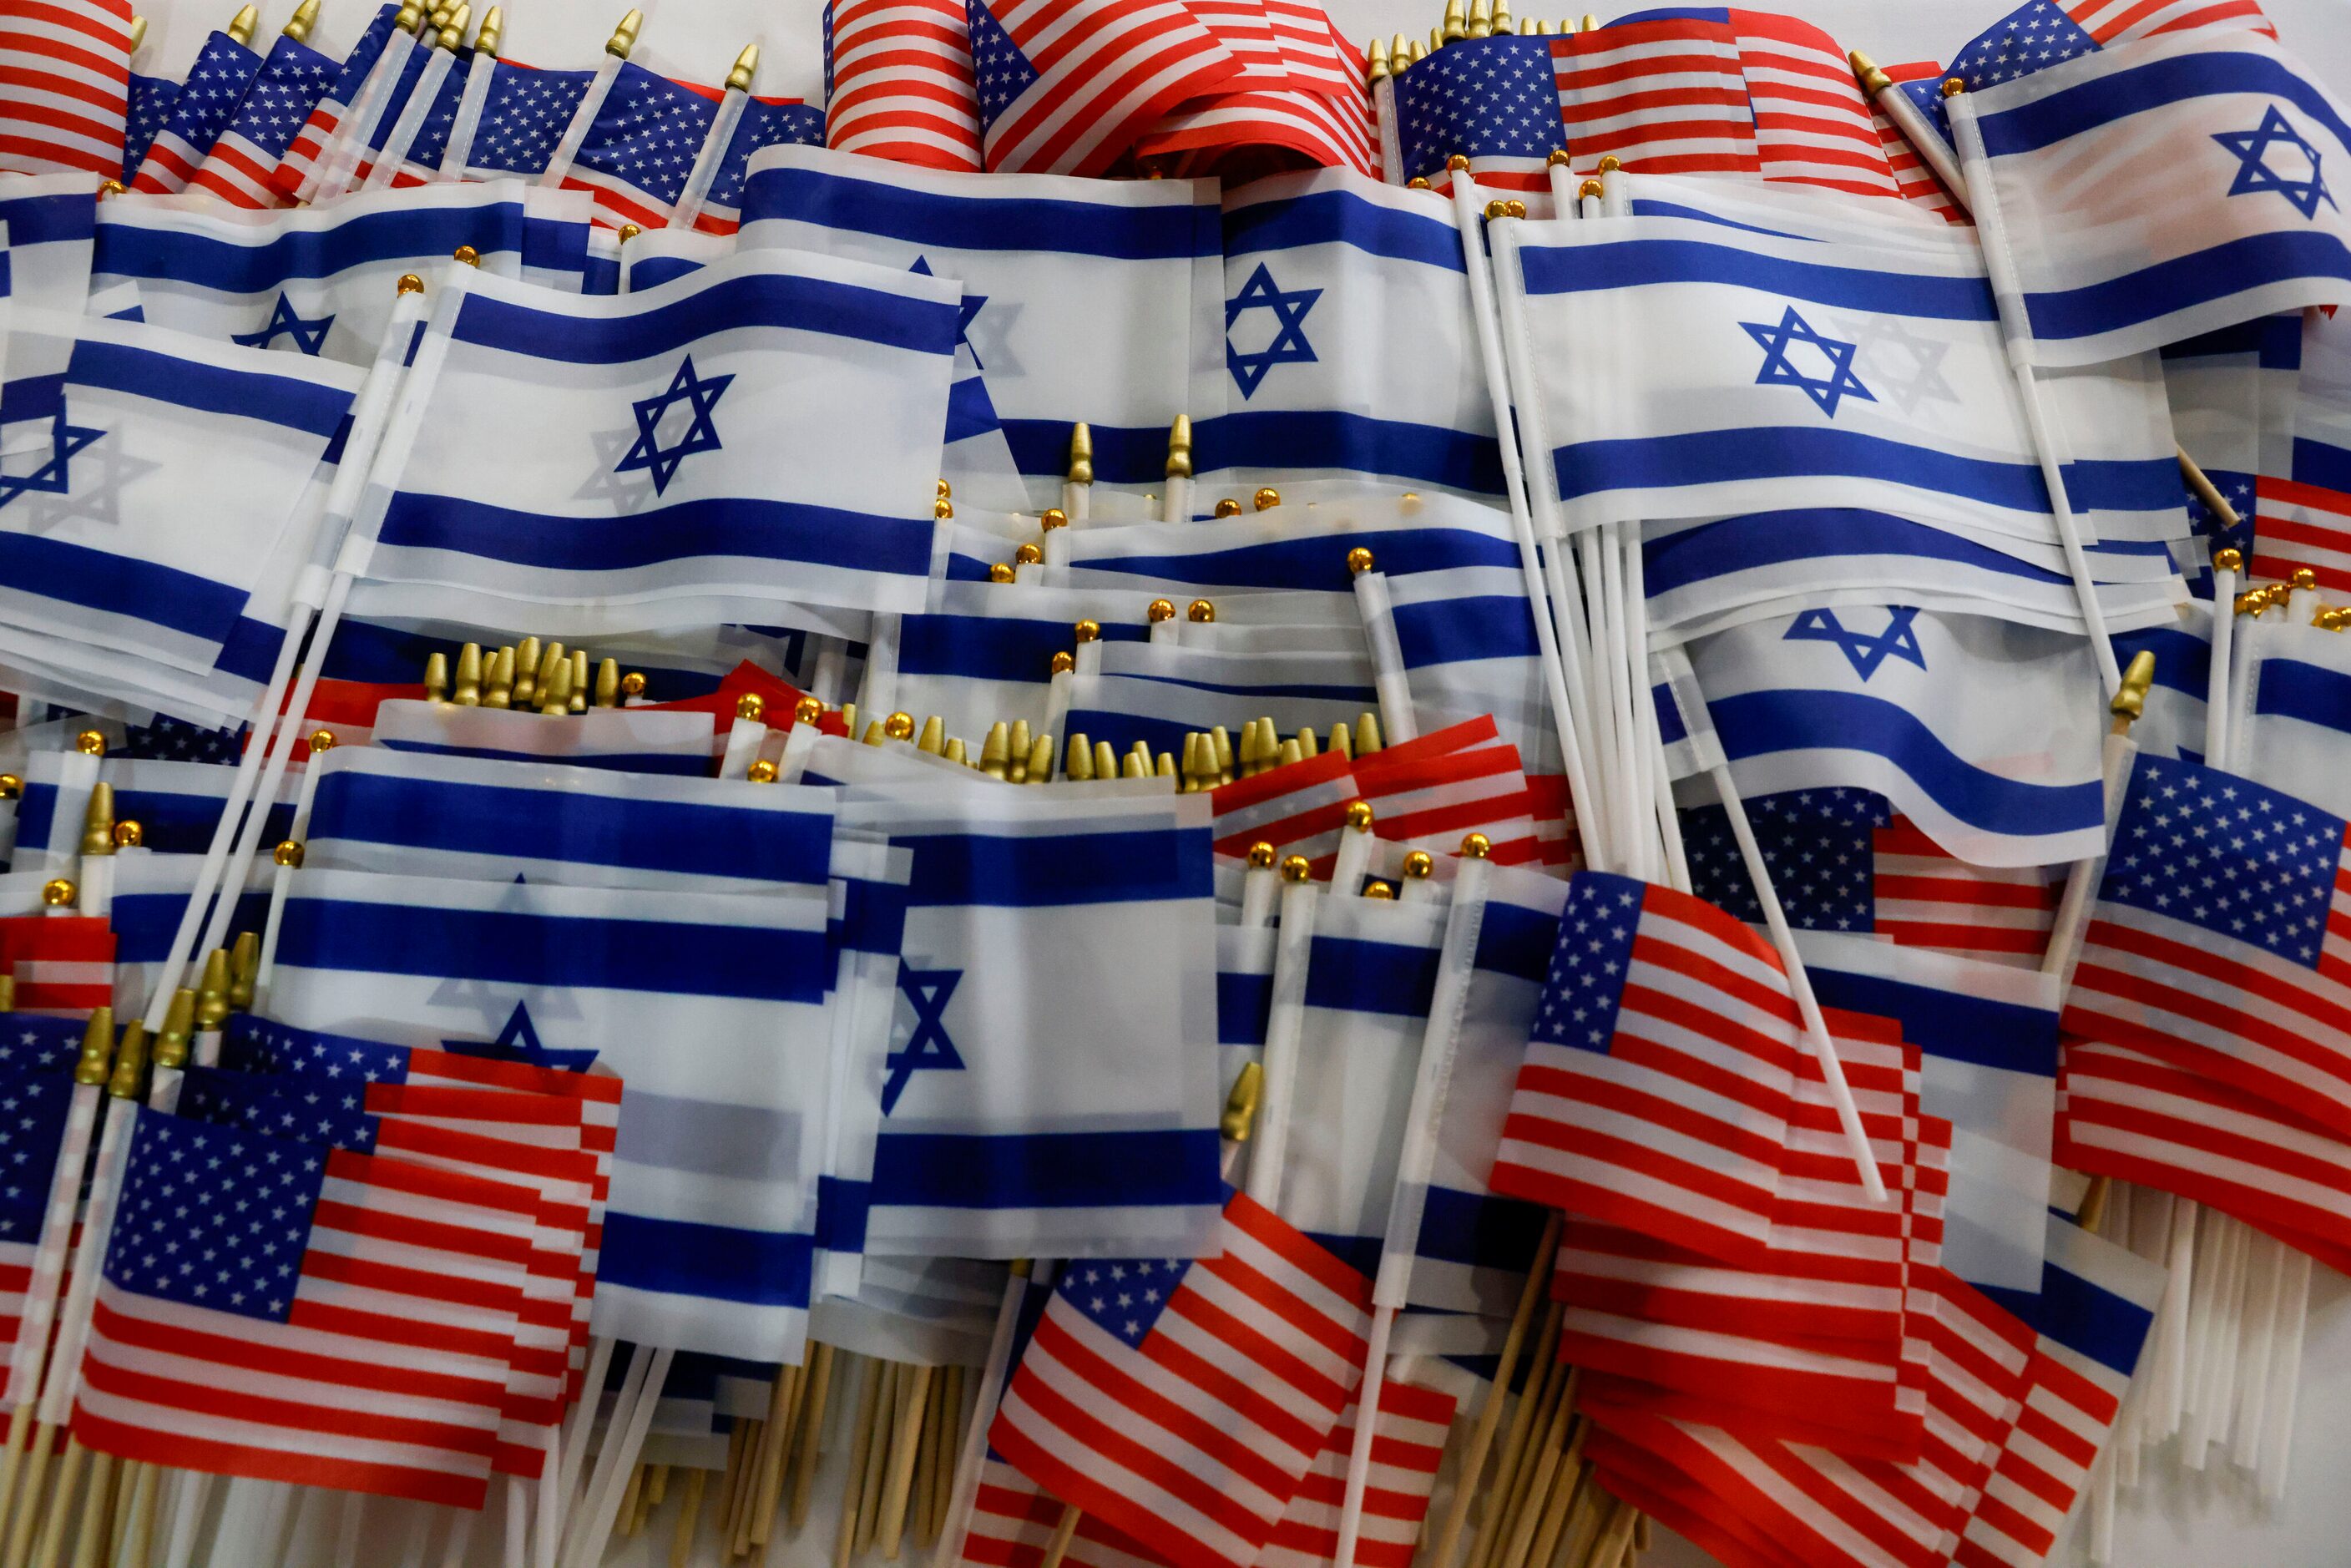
<point x="1153" y="791"/>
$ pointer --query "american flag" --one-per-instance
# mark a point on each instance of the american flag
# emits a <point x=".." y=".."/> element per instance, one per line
<point x="151" y="105"/>
<point x="2128" y="1116"/>
<point x="1182" y="1402"/>
<point x="299" y="162"/>
<point x="1245" y="27"/>
<point x="1314" y="53"/>
<point x="36" y="1045"/>
<point x="2220" y="941"/>
<point x="764" y="123"/>
<point x="35" y="1107"/>
<point x="1407" y="1447"/>
<point x="63" y="964"/>
<point x="523" y="119"/>
<point x="169" y="740"/>
<point x="1492" y="100"/>
<point x="1919" y="186"/>
<point x="2032" y="37"/>
<point x="1238" y="134"/>
<point x="1299" y="809"/>
<point x="1662" y="97"/>
<point x="65" y="86"/>
<point x="638" y="153"/>
<point x="208" y="101"/>
<point x="1660" y="1074"/>
<point x="284" y="1312"/>
<point x="2303" y="524"/>
<point x="1065" y="86"/>
<point x="2120" y="21"/>
<point x="288" y="86"/>
<point x="899" y="82"/>
<point x="1812" y="126"/>
<point x="1013" y="1521"/>
<point x="1440" y="787"/>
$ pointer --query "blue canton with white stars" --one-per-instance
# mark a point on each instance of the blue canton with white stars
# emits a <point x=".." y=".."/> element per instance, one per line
<point x="1484" y="98"/>
<point x="291" y="82"/>
<point x="699" y="396"/>
<point x="214" y="91"/>
<point x="1004" y="72"/>
<point x="1818" y="845"/>
<point x="1585" y="988"/>
<point x="1866" y="651"/>
<point x="2253" y="864"/>
<point x="2236" y="487"/>
<point x="310" y="1109"/>
<point x="33" y="1114"/>
<point x="2274" y="156"/>
<point x="1124" y="1297"/>
<point x="762" y="125"/>
<point x="524" y="116"/>
<point x="36" y="1042"/>
<point x="433" y="135"/>
<point x="2032" y="37"/>
<point x="648" y="133"/>
<point x="256" y="1044"/>
<point x="151" y="110"/>
<point x="1285" y="342"/>
<point x="215" y="1216"/>
<point x="1783" y="365"/>
<point x="169" y="740"/>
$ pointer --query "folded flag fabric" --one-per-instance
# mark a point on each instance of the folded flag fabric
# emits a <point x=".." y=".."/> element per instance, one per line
<point x="763" y="123"/>
<point x="175" y="804"/>
<point x="360" y="1324"/>
<point x="1663" y="93"/>
<point x="1184" y="1403"/>
<point x="1063" y="88"/>
<point x="1812" y="126"/>
<point x="1493" y="101"/>
<point x="708" y="385"/>
<point x="1407" y="1446"/>
<point x="295" y="177"/>
<point x="2158" y="189"/>
<point x="64" y="966"/>
<point x="68" y="66"/>
<point x="626" y="740"/>
<point x="243" y="153"/>
<point x="207" y="101"/>
<point x="525" y="113"/>
<point x="149" y="106"/>
<point x="38" y="1095"/>
<point x="50" y="221"/>
<point x="637" y="153"/>
<point x="899" y="82"/>
<point x="2295" y="733"/>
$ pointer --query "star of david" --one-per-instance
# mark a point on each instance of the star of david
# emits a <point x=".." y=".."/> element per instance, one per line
<point x="1779" y="370"/>
<point x="308" y="335"/>
<point x="54" y="477"/>
<point x="519" y="1042"/>
<point x="648" y="451"/>
<point x="928" y="1048"/>
<point x="1288" y="346"/>
<point x="2251" y="149"/>
<point x="967" y="312"/>
<point x="1863" y="651"/>
<point x="1904" y="366"/>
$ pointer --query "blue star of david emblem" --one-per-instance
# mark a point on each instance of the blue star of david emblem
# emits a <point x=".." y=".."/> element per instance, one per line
<point x="1779" y="370"/>
<point x="519" y="1042"/>
<point x="967" y="312"/>
<point x="648" y="453"/>
<point x="2251" y="148"/>
<point x="1288" y="346"/>
<point x="928" y="1048"/>
<point x="54" y="477"/>
<point x="308" y="335"/>
<point x="1863" y="651"/>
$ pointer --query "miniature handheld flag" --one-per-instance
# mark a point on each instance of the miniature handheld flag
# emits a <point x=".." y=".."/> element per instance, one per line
<point x="1064" y="88"/>
<point x="237" y="165"/>
<point x="67" y="64"/>
<point x="899" y="82"/>
<point x="216" y="86"/>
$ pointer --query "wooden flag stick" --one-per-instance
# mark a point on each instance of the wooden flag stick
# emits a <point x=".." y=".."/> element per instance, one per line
<point x="1559" y="1500"/>
<point x="629" y="1498"/>
<point x="59" y="1512"/>
<point x="1526" y="1421"/>
<point x="1498" y="1393"/>
<point x="925" y="1522"/>
<point x="783" y="1421"/>
<point x="730" y="1479"/>
<point x="689" y="1516"/>
<point x="1063" y="1533"/>
<point x="888" y="1408"/>
<point x="756" y="1451"/>
<point x="1536" y="1484"/>
<point x="951" y="1415"/>
<point x="96" y="1507"/>
<point x="845" y="1542"/>
<point x="812" y="1413"/>
<point x="915" y="1386"/>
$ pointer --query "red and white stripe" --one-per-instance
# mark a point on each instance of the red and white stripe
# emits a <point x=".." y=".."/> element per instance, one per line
<point x="1324" y="131"/>
<point x="902" y="83"/>
<point x="2129" y="1116"/>
<point x="1676" y="1130"/>
<point x="1667" y="97"/>
<point x="1919" y="186"/>
<point x="2239" y="1014"/>
<point x="63" y="964"/>
<point x="388" y="1377"/>
<point x="298" y="172"/>
<point x="1243" y="27"/>
<point x="2303" y="525"/>
<point x="1013" y="1521"/>
<point x="1299" y="809"/>
<point x="1812" y="126"/>
<point x="1927" y="898"/>
<point x="1440" y="787"/>
<point x="1407" y="1446"/>
<point x="2120" y="21"/>
<point x="65" y="86"/>
<point x="1105" y="69"/>
<point x="1314" y="53"/>
<point x="1198" y="1439"/>
<point x="237" y="172"/>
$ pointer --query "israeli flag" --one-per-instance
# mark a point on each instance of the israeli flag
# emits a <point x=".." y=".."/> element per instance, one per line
<point x="2158" y="190"/>
<point x="175" y="804"/>
<point x="172" y="473"/>
<point x="1984" y="733"/>
<point x="1050" y="1087"/>
<point x="2294" y="732"/>
<point x="1086" y="300"/>
<point x="1687" y="369"/>
<point x="322" y="280"/>
<point x="1287" y="547"/>
<point x="1319" y="269"/>
<point x="1158" y="693"/>
<point x="1987" y="1040"/>
<point x="710" y="1006"/>
<point x="46" y="221"/>
<point x="1466" y="637"/>
<point x="734" y="444"/>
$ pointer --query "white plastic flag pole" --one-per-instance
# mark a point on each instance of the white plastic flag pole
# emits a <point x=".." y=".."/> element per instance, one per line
<point x="1380" y="64"/>
<point x="393" y="154"/>
<point x="457" y="152"/>
<point x="591" y="103"/>
<point x="740" y="78"/>
<point x="330" y="172"/>
<point x="2081" y="881"/>
<point x="972" y="1455"/>
<point x="2225" y="565"/>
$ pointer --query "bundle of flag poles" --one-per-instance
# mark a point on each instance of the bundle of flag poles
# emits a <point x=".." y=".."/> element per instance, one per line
<point x="1683" y="788"/>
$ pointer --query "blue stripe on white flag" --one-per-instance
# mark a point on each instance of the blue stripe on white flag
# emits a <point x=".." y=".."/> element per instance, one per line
<point x="2289" y="689"/>
<point x="750" y="300"/>
<point x="2103" y="100"/>
<point x="199" y="260"/>
<point x="1072" y="870"/>
<point x="717" y="1263"/>
<point x="118" y="585"/>
<point x="1341" y="217"/>
<point x="1349" y="974"/>
<point x="2231" y="268"/>
<point x="669" y="763"/>
<point x="1632" y="264"/>
<point x="717" y="526"/>
<point x="315" y="406"/>
<point x="973" y="219"/>
<point x="1942" y="1023"/>
<point x="1047" y="1170"/>
<point x="1309" y="439"/>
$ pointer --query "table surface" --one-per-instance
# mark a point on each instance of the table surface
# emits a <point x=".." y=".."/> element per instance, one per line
<point x="2179" y="1519"/>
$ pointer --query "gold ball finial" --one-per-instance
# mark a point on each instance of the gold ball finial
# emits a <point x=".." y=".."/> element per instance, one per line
<point x="632" y="684"/>
<point x="1953" y="86"/>
<point x="1359" y="561"/>
<point x="761" y="772"/>
<point x="2304" y="577"/>
<point x="322" y="740"/>
<point x="1557" y="158"/>
<point x="1419" y="865"/>
<point x="899" y="727"/>
<point x="1359" y="816"/>
<point x="1377" y="889"/>
<point x="1264" y="500"/>
<point x="1417" y="183"/>
<point x="58" y="894"/>
<point x="90" y="743"/>
<point x="1459" y="163"/>
<point x="12" y="788"/>
<point x="1476" y="846"/>
<point x="1229" y="506"/>
<point x="1200" y="613"/>
<point x="409" y="284"/>
<point x="808" y="710"/>
<point x="288" y="853"/>
<point x="1088" y="630"/>
<point x="943" y="510"/>
<point x="1261" y="856"/>
<point x="1028" y="555"/>
<point x="1590" y="188"/>
<point x="109" y="188"/>
<point x="1496" y="208"/>
<point x="1161" y="609"/>
<point x="630" y="232"/>
<point x="467" y="255"/>
<point x="1514" y="208"/>
<point x="1296" y="868"/>
<point x="1002" y="572"/>
<point x="2229" y="557"/>
<point x="1062" y="661"/>
<point x="128" y="835"/>
<point x="1609" y="164"/>
<point x="1054" y="518"/>
<point x="751" y="706"/>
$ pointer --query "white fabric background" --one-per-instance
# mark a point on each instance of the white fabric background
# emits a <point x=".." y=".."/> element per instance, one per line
<point x="2178" y="1520"/>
